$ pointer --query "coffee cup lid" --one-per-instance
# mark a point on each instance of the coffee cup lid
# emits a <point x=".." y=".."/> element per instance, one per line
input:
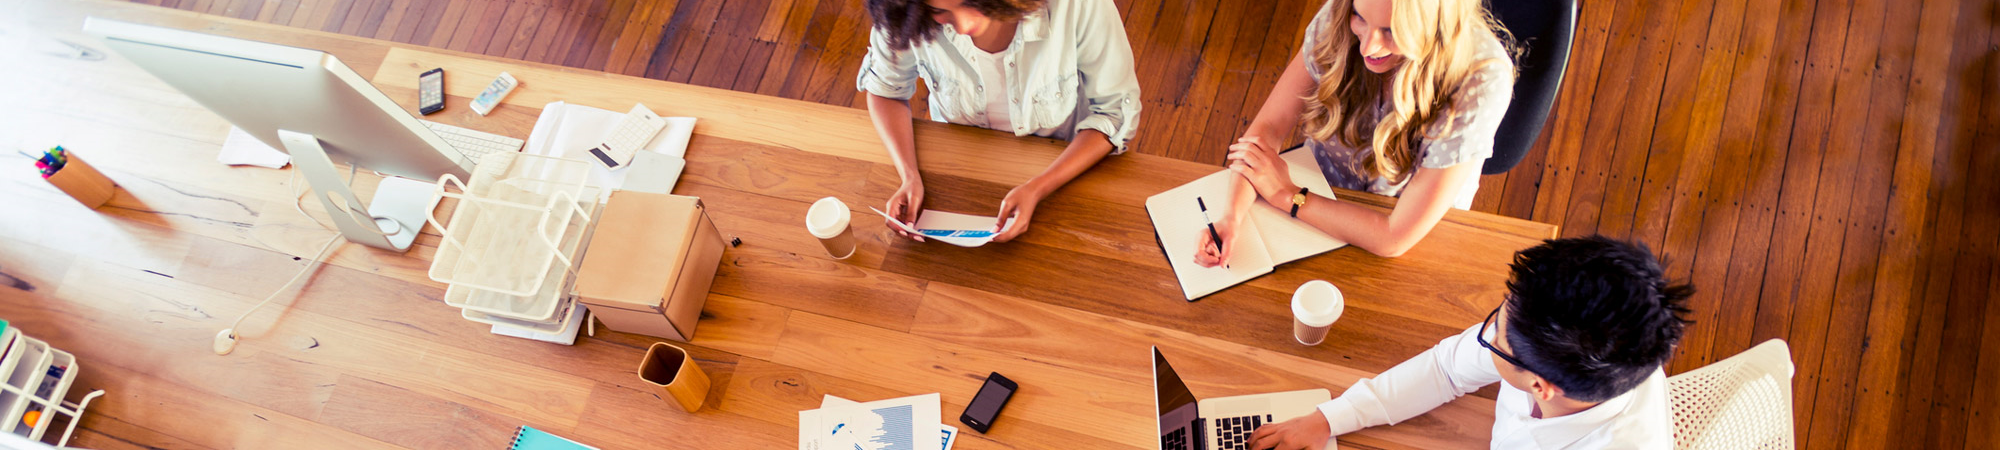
<point x="827" y="218"/>
<point x="1327" y="303"/>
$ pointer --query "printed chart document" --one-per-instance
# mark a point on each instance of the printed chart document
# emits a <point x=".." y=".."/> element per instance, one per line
<point x="964" y="230"/>
<point x="908" y="423"/>
<point x="946" y="432"/>
<point x="1272" y="237"/>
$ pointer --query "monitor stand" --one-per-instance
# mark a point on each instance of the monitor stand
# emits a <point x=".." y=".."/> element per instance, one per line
<point x="391" y="223"/>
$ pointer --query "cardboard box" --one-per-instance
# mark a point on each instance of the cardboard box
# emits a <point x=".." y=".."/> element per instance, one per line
<point x="649" y="264"/>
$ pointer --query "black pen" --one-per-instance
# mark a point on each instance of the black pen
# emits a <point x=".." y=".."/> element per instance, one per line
<point x="1211" y="223"/>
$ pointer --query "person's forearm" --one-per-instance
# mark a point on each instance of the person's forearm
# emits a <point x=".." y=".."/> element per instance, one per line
<point x="1454" y="367"/>
<point x="1272" y="128"/>
<point x="1351" y="223"/>
<point x="892" y="123"/>
<point x="1243" y="196"/>
<point x="1084" y="151"/>
<point x="1425" y="199"/>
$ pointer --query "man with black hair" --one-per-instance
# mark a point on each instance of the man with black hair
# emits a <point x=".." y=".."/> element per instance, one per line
<point x="1579" y="341"/>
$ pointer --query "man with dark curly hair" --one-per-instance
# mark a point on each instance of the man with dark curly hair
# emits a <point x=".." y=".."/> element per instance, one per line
<point x="1053" y="68"/>
<point x="1578" y="345"/>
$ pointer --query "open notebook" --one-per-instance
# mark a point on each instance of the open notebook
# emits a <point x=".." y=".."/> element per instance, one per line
<point x="1273" y="237"/>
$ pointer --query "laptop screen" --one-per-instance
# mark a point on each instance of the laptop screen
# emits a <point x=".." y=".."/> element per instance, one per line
<point x="1177" y="406"/>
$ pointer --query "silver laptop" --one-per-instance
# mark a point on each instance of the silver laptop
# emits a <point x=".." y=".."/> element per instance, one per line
<point x="1187" y="423"/>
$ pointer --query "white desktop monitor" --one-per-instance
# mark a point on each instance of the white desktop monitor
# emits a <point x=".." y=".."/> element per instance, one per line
<point x="310" y="105"/>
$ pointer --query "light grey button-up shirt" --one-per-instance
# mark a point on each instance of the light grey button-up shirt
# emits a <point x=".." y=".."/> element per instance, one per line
<point x="1070" y="69"/>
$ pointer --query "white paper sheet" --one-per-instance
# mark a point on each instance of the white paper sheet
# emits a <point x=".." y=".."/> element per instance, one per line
<point x="242" y="149"/>
<point x="574" y="322"/>
<point x="566" y="130"/>
<point x="653" y="172"/>
<point x="673" y="140"/>
<point x="908" y="422"/>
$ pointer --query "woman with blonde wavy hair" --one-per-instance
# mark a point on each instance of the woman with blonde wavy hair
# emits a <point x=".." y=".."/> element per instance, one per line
<point x="1404" y="102"/>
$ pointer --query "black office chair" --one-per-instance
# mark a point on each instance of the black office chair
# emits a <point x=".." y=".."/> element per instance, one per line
<point x="1543" y="29"/>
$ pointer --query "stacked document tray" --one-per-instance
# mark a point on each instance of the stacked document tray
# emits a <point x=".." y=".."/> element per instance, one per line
<point x="511" y="243"/>
<point x="37" y="377"/>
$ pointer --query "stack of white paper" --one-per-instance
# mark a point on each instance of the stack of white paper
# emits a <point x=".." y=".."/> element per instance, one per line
<point x="566" y="130"/>
<point x="572" y="324"/>
<point x="907" y="423"/>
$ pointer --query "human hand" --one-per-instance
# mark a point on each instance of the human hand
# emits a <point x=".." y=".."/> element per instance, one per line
<point x="1308" y="432"/>
<point x="1207" y="255"/>
<point x="1019" y="205"/>
<point x="904" y="205"/>
<point x="1266" y="172"/>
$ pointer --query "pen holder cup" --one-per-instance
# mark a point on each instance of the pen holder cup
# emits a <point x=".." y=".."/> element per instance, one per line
<point x="83" y="182"/>
<point x="672" y="370"/>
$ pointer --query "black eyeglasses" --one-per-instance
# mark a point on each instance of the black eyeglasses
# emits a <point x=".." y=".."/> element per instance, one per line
<point x="1489" y="345"/>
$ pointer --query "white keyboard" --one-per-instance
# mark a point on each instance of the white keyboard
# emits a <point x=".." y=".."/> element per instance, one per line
<point x="474" y="144"/>
<point x="634" y="131"/>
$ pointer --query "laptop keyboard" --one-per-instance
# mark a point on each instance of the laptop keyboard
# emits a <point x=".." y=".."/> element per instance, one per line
<point x="1176" y="440"/>
<point x="1233" y="433"/>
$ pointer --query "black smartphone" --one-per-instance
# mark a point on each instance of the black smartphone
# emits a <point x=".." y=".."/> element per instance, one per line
<point x="430" y="91"/>
<point x="986" y="404"/>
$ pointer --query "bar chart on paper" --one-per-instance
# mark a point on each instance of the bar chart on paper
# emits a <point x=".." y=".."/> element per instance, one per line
<point x="895" y="431"/>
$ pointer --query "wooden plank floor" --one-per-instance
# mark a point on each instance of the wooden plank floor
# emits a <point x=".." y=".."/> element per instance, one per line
<point x="1809" y="164"/>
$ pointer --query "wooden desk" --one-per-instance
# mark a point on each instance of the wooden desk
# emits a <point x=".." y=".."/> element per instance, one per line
<point x="367" y="356"/>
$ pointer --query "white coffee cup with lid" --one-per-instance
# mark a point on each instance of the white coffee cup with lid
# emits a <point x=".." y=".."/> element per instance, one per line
<point x="1315" y="306"/>
<point x="828" y="220"/>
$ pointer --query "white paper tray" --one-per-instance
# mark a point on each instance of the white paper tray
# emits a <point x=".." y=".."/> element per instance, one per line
<point x="510" y="222"/>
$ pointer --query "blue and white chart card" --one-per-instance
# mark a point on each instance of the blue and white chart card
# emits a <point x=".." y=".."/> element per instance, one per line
<point x="908" y="423"/>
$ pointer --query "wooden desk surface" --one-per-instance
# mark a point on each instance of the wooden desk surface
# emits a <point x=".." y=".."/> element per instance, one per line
<point x="367" y="356"/>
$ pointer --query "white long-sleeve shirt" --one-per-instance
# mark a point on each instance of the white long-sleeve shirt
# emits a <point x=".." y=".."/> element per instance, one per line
<point x="1639" y="419"/>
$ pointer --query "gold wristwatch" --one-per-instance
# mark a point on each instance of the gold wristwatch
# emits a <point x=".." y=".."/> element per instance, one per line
<point x="1298" y="200"/>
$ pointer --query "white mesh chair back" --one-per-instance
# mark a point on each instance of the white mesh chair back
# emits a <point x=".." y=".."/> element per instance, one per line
<point x="1744" y="402"/>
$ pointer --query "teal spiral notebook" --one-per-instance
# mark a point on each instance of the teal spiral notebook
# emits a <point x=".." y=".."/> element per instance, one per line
<point x="528" y="438"/>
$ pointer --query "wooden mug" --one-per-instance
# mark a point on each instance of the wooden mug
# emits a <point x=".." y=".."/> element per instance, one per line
<point x="83" y="182"/>
<point x="671" y="369"/>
